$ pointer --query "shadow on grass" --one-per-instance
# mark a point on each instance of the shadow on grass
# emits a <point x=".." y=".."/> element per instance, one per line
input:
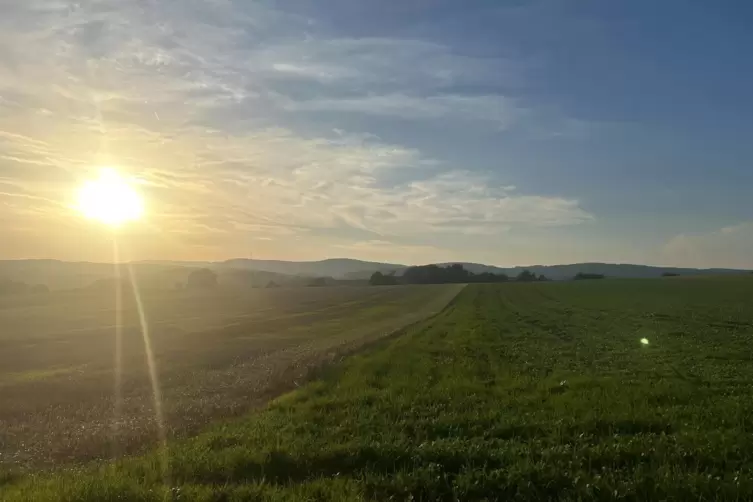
<point x="7" y="478"/>
<point x="606" y="428"/>
<point x="282" y="468"/>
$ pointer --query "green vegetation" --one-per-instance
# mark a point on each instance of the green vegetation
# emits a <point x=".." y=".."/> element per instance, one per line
<point x="202" y="278"/>
<point x="450" y="274"/>
<point x="525" y="391"/>
<point x="581" y="276"/>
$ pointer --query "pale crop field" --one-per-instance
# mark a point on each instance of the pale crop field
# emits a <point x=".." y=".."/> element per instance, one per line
<point x="216" y="354"/>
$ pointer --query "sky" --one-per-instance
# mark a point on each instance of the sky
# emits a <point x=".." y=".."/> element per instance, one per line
<point x="501" y="132"/>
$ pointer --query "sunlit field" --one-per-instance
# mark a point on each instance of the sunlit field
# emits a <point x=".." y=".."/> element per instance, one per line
<point x="218" y="353"/>
<point x="589" y="390"/>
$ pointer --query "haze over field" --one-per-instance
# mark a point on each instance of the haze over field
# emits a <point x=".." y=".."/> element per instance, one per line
<point x="550" y="132"/>
<point x="59" y="275"/>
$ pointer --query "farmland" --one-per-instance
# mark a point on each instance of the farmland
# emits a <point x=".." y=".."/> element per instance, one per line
<point x="218" y="353"/>
<point x="528" y="391"/>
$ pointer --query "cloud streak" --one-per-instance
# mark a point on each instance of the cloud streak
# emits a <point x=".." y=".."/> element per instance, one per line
<point x="730" y="246"/>
<point x="496" y="109"/>
<point x="195" y="99"/>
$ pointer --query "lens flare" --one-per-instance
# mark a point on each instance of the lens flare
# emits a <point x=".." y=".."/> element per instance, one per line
<point x="117" y="352"/>
<point x="153" y="376"/>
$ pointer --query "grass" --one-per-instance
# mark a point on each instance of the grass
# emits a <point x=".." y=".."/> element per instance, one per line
<point x="524" y="391"/>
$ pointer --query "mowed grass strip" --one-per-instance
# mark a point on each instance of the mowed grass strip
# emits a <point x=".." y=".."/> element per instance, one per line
<point x="524" y="391"/>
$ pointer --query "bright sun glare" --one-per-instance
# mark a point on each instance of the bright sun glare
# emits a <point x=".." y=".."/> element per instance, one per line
<point x="110" y="199"/>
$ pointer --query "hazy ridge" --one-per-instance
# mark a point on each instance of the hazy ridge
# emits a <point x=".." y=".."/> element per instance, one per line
<point x="62" y="275"/>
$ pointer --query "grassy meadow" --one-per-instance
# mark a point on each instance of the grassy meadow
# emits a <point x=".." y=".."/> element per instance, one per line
<point x="538" y="391"/>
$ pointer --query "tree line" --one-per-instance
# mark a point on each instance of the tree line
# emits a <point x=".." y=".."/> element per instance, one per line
<point x="452" y="274"/>
<point x="11" y="287"/>
<point x="584" y="276"/>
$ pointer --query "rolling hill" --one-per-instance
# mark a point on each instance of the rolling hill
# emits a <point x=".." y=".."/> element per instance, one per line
<point x="65" y="275"/>
<point x="338" y="268"/>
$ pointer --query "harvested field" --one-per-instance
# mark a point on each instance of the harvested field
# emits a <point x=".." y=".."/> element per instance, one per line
<point x="217" y="353"/>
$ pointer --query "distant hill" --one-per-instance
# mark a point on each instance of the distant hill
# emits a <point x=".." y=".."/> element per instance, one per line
<point x="356" y="269"/>
<point x="339" y="268"/>
<point x="165" y="274"/>
<point x="55" y="274"/>
<point x="625" y="271"/>
<point x="59" y="275"/>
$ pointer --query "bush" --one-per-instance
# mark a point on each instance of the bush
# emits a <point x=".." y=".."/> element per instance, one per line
<point x="581" y="276"/>
<point x="380" y="279"/>
<point x="202" y="279"/>
<point x="526" y="276"/>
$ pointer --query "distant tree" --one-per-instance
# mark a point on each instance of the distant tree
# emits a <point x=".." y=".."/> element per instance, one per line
<point x="202" y="278"/>
<point x="526" y="276"/>
<point x="581" y="276"/>
<point x="40" y="289"/>
<point x="542" y="278"/>
<point x="380" y="279"/>
<point x="456" y="273"/>
<point x="488" y="277"/>
<point x="670" y="274"/>
<point x="318" y="282"/>
<point x="453" y="274"/>
<point x="9" y="287"/>
<point x="272" y="285"/>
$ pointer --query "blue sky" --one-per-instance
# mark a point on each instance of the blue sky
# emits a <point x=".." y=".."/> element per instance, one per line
<point x="509" y="133"/>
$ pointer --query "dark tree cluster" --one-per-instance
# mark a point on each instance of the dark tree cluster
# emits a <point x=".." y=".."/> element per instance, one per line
<point x="380" y="279"/>
<point x="528" y="276"/>
<point x="453" y="274"/>
<point x="10" y="287"/>
<point x="582" y="276"/>
<point x="434" y="274"/>
<point x="202" y="278"/>
<point x="670" y="274"/>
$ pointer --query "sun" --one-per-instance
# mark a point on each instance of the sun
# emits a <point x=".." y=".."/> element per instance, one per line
<point x="110" y="199"/>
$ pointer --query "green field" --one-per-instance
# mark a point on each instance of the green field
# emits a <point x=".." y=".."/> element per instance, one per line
<point x="528" y="391"/>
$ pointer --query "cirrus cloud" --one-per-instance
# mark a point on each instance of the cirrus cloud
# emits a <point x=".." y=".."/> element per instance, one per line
<point x="194" y="98"/>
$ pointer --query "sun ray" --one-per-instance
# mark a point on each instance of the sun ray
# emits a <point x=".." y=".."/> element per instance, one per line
<point x="118" y="352"/>
<point x="153" y="375"/>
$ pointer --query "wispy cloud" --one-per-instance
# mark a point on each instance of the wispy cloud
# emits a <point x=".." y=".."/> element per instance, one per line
<point x="205" y="123"/>
<point x="496" y="109"/>
<point x="730" y="246"/>
<point x="394" y="252"/>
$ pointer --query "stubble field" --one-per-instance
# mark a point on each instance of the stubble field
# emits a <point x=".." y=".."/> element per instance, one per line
<point x="217" y="354"/>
